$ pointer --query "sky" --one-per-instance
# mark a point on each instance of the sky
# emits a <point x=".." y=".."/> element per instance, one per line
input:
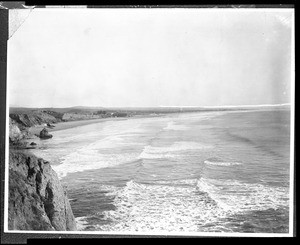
<point x="150" y="57"/>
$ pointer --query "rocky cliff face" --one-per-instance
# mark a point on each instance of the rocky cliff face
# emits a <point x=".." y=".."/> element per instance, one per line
<point x="37" y="201"/>
<point x="15" y="133"/>
<point x="33" y="118"/>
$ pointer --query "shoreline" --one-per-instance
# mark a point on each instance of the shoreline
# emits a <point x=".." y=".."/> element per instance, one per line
<point x="67" y="125"/>
<point x="78" y="123"/>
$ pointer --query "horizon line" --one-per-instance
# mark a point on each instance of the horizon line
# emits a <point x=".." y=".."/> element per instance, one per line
<point x="161" y="106"/>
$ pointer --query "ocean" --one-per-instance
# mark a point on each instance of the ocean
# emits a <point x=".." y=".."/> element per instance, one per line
<point x="224" y="171"/>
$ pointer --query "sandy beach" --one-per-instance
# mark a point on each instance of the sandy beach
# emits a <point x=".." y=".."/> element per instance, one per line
<point x="72" y="124"/>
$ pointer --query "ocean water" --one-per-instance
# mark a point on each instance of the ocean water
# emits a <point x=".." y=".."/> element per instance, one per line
<point x="189" y="172"/>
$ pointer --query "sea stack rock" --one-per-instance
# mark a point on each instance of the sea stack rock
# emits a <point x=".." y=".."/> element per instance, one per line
<point x="37" y="200"/>
<point x="45" y="135"/>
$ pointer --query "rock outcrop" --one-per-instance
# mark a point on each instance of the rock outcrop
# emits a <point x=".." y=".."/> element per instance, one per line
<point x="37" y="200"/>
<point x="15" y="133"/>
<point x="32" y="118"/>
<point x="44" y="134"/>
<point x="17" y="136"/>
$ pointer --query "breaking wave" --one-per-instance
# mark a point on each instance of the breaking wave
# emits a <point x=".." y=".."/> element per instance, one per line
<point x="186" y="205"/>
<point x="172" y="151"/>
<point x="89" y="160"/>
<point x="217" y="163"/>
<point x="236" y="196"/>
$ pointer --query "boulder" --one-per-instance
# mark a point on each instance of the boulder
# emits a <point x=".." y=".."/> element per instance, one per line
<point x="44" y="134"/>
<point x="50" y="125"/>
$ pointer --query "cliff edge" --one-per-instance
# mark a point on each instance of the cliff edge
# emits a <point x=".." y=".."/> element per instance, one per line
<point x="37" y="200"/>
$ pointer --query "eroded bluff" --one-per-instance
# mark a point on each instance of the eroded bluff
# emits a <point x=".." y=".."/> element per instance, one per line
<point x="37" y="200"/>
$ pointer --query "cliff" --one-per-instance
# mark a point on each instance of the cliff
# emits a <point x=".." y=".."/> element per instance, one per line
<point x="33" y="118"/>
<point x="37" y="201"/>
<point x="26" y="117"/>
<point x="15" y="133"/>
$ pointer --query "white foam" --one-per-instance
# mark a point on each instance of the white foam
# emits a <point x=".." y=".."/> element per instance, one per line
<point x="172" y="151"/>
<point x="235" y="196"/>
<point x="187" y="205"/>
<point x="81" y="223"/>
<point x="221" y="163"/>
<point x="92" y="156"/>
<point x="191" y="182"/>
<point x="172" y="126"/>
<point x="141" y="207"/>
<point x="89" y="159"/>
<point x="145" y="155"/>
